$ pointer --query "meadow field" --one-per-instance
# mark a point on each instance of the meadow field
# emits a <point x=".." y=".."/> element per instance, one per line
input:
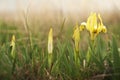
<point x="55" y="47"/>
<point x="25" y="55"/>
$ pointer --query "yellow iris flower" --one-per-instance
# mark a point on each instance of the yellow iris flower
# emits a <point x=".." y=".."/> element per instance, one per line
<point x="50" y="41"/>
<point x="76" y="37"/>
<point x="13" y="41"/>
<point x="12" y="45"/>
<point x="94" y="25"/>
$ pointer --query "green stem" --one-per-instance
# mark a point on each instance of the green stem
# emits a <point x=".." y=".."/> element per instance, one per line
<point x="13" y="65"/>
<point x="50" y="60"/>
<point x="76" y="56"/>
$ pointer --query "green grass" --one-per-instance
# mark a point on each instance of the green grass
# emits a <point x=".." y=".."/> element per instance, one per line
<point x="98" y="61"/>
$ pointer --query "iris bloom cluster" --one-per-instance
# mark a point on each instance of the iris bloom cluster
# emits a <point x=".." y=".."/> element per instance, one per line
<point x="95" y="25"/>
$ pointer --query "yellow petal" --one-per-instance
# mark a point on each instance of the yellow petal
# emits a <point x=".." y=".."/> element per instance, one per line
<point x="13" y="41"/>
<point x="12" y="45"/>
<point x="82" y="26"/>
<point x="76" y="37"/>
<point x="104" y="29"/>
<point x="50" y="41"/>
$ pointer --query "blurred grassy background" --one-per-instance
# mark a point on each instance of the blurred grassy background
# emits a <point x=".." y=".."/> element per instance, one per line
<point x="42" y="14"/>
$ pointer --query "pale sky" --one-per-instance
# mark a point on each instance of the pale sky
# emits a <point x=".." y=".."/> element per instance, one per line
<point x="7" y="5"/>
<point x="65" y="5"/>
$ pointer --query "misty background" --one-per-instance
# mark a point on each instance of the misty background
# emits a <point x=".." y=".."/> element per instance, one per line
<point x="41" y="12"/>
